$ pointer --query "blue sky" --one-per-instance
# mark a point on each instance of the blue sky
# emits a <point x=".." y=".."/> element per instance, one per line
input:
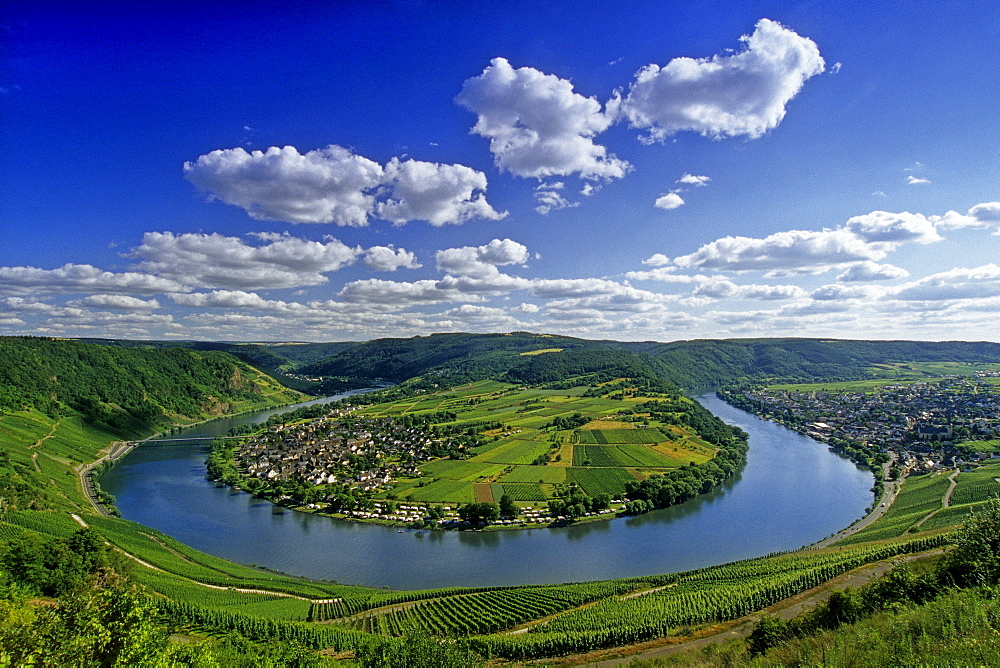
<point x="638" y="171"/>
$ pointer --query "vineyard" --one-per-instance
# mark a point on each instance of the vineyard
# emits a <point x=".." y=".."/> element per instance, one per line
<point x="570" y="618"/>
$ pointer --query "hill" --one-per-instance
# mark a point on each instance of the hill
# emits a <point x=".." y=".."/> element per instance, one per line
<point x="687" y="364"/>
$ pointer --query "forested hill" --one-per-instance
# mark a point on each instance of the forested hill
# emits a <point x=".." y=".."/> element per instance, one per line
<point x="118" y="386"/>
<point x="474" y="355"/>
<point x="532" y="358"/>
<point x="524" y="357"/>
<point x="710" y="363"/>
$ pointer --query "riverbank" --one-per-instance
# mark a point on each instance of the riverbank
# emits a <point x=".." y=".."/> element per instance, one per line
<point x="793" y="491"/>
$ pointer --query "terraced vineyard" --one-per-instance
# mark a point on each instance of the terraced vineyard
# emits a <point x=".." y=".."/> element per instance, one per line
<point x="562" y="619"/>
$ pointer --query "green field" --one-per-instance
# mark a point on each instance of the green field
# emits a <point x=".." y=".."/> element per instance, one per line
<point x="509" y="454"/>
<point x="895" y="374"/>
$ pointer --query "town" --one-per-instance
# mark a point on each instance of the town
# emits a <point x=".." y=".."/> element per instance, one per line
<point x="920" y="426"/>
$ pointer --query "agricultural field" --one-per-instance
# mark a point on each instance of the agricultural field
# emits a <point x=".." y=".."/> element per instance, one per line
<point x="541" y="439"/>
<point x="555" y="620"/>
<point x="897" y="374"/>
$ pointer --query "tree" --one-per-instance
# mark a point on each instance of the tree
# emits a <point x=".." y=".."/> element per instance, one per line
<point x="479" y="513"/>
<point x="508" y="507"/>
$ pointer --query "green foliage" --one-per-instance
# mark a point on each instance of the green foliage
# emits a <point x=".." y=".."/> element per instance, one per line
<point x="975" y="559"/>
<point x="126" y="389"/>
<point x="479" y="513"/>
<point x="54" y="567"/>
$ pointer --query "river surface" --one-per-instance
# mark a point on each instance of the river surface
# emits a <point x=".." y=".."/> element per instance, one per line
<point x="792" y="492"/>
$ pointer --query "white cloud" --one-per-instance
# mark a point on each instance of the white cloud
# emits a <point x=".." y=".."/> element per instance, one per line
<point x="217" y="261"/>
<point x="954" y="284"/>
<point x="665" y="274"/>
<point x="81" y="278"/>
<point x="986" y="213"/>
<point x="334" y="185"/>
<point x="550" y="199"/>
<point x="481" y="261"/>
<point x="723" y="96"/>
<point x="872" y="271"/>
<point x="388" y="258"/>
<point x="692" y="180"/>
<point x="116" y="302"/>
<point x="912" y="180"/>
<point x="889" y="230"/>
<point x="839" y="292"/>
<point x="794" y="251"/>
<point x="981" y="216"/>
<point x="439" y="194"/>
<point x="232" y="299"/>
<point x="726" y="289"/>
<point x="669" y="201"/>
<point x="330" y="185"/>
<point x="656" y="260"/>
<point x="866" y="238"/>
<point x="396" y="294"/>
<point x="537" y="126"/>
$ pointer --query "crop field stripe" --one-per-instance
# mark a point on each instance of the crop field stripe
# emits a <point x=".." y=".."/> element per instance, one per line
<point x="483" y="493"/>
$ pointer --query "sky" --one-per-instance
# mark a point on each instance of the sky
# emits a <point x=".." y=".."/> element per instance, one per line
<point x="334" y="171"/>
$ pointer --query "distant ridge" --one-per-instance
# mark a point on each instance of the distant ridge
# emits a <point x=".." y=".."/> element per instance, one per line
<point x="694" y="364"/>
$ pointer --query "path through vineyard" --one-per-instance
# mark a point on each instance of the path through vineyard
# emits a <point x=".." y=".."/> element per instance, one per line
<point x="741" y="628"/>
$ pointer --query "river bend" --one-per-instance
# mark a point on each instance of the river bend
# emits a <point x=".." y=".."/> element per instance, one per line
<point x="792" y="492"/>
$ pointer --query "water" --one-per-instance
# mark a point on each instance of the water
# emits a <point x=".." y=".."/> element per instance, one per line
<point x="792" y="492"/>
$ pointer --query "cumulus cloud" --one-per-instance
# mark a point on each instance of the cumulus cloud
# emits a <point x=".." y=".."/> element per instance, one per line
<point x="231" y="299"/>
<point x="537" y="125"/>
<point x="217" y="261"/>
<point x="482" y="261"/>
<point x="872" y="271"/>
<point x="692" y="180"/>
<point x="986" y="213"/>
<point x="394" y="293"/>
<point x="81" y="278"/>
<point x="330" y="185"/>
<point x="335" y="185"/>
<point x="839" y="292"/>
<point x="388" y="258"/>
<point x="726" y="289"/>
<point x="669" y="201"/>
<point x="665" y="274"/>
<point x="116" y="303"/>
<point x="912" y="180"/>
<point x="723" y="96"/>
<point x="439" y="194"/>
<point x="793" y="251"/>
<point x="889" y="230"/>
<point x="657" y="260"/>
<point x="954" y="284"/>
<point x="867" y="238"/>
<point x="981" y="216"/>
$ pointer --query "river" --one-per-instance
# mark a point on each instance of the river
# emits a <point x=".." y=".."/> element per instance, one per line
<point x="792" y="492"/>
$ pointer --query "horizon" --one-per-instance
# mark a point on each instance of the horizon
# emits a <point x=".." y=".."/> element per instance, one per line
<point x="345" y="173"/>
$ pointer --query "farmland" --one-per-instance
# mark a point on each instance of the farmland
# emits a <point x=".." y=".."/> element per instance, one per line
<point x="531" y="444"/>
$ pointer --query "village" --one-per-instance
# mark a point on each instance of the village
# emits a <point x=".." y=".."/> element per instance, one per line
<point x="919" y="425"/>
<point x="365" y="454"/>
